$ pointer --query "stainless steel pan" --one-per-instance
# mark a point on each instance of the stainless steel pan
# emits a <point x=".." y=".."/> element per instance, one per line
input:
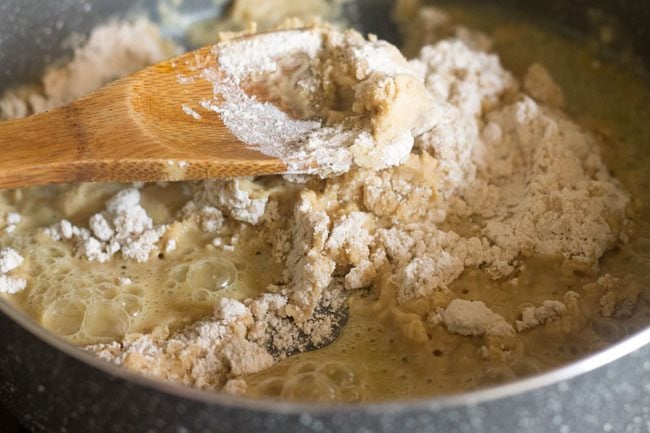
<point x="54" y="387"/>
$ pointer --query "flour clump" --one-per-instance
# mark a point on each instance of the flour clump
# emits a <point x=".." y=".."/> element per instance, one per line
<point x="472" y="318"/>
<point x="10" y="260"/>
<point x="123" y="226"/>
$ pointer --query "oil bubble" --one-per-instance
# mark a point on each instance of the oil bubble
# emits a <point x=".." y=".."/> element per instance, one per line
<point x="179" y="273"/>
<point x="131" y="304"/>
<point x="106" y="319"/>
<point x="212" y="274"/>
<point x="271" y="387"/>
<point x="309" y="387"/>
<point x="64" y="316"/>
<point x="338" y="373"/>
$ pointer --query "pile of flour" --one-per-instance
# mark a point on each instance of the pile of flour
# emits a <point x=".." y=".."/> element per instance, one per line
<point x="504" y="157"/>
<point x="123" y="226"/>
<point x="497" y="172"/>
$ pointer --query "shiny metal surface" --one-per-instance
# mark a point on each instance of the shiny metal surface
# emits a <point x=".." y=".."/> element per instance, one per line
<point x="53" y="387"/>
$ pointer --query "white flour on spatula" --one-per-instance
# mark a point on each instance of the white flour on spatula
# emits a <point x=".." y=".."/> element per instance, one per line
<point x="337" y="100"/>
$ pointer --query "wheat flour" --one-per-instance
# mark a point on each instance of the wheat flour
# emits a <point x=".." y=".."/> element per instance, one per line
<point x="447" y="166"/>
<point x="123" y="227"/>
<point x="531" y="181"/>
<point x="10" y="260"/>
<point x="340" y="99"/>
<point x="471" y="318"/>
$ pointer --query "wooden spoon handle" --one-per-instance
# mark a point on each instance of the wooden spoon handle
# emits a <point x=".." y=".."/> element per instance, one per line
<point x="133" y="129"/>
<point x="31" y="157"/>
<point x="65" y="145"/>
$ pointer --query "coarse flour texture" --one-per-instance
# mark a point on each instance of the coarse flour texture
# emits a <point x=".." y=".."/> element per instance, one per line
<point x="487" y="171"/>
<point x="10" y="260"/>
<point x="506" y="158"/>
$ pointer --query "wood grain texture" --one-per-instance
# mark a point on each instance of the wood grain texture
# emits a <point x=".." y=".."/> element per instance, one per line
<point x="134" y="129"/>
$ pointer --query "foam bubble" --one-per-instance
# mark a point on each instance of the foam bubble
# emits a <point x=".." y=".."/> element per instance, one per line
<point x="311" y="386"/>
<point x="213" y="273"/>
<point x="64" y="316"/>
<point x="106" y="319"/>
<point x="130" y="303"/>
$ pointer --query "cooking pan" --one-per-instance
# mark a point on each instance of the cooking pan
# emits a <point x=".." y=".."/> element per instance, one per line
<point x="53" y="387"/>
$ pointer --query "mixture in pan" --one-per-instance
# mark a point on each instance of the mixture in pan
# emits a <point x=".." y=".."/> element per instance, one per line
<point x="479" y="214"/>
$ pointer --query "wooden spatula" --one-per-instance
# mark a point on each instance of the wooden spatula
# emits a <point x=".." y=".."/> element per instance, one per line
<point x="132" y="129"/>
